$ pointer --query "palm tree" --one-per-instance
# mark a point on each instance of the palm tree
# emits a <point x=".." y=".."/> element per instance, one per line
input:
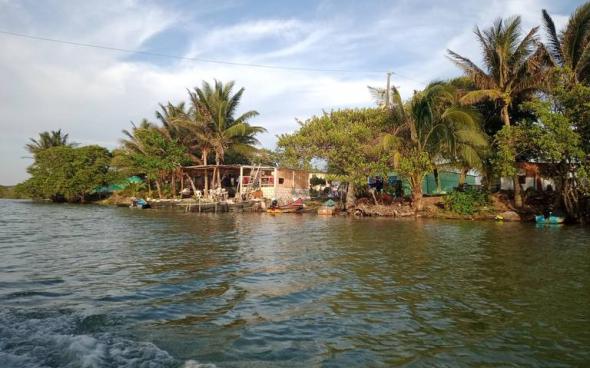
<point x="167" y="115"/>
<point x="431" y="128"/>
<point x="513" y="66"/>
<point x="132" y="143"/>
<point x="571" y="47"/>
<point x="46" y="140"/>
<point x="219" y="105"/>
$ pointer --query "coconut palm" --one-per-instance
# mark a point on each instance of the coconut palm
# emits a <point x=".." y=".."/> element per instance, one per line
<point x="514" y="65"/>
<point x="46" y="140"/>
<point x="429" y="129"/>
<point x="168" y="115"/>
<point x="218" y="104"/>
<point x="570" y="48"/>
<point x="132" y="143"/>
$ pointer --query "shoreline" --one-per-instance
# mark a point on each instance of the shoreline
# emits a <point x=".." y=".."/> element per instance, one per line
<point x="431" y="211"/>
<point x="363" y="210"/>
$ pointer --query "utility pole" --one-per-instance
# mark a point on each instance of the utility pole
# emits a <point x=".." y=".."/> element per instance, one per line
<point x="387" y="90"/>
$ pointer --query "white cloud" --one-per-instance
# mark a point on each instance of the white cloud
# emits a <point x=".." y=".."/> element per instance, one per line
<point x="93" y="94"/>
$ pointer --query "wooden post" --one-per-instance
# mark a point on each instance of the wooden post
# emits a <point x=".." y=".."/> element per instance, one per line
<point x="241" y="183"/>
<point x="275" y="182"/>
<point x="182" y="181"/>
<point x="206" y="183"/>
<point x="192" y="185"/>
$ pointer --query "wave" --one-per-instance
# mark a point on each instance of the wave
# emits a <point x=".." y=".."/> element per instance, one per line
<point x="42" y="339"/>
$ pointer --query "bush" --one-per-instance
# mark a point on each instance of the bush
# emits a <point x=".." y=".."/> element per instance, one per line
<point x="314" y="181"/>
<point x="466" y="202"/>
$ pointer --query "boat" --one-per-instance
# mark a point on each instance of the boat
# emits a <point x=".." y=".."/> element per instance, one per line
<point x="328" y="208"/>
<point x="293" y="207"/>
<point x="552" y="219"/>
<point x="139" y="204"/>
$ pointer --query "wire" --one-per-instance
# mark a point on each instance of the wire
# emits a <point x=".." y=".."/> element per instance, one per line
<point x="198" y="59"/>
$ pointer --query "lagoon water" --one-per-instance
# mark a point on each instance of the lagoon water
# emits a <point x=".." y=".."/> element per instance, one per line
<point x="91" y="286"/>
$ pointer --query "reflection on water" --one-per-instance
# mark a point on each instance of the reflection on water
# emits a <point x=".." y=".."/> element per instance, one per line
<point x="95" y="286"/>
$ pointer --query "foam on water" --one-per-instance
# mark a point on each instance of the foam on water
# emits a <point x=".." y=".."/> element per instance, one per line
<point x="62" y="339"/>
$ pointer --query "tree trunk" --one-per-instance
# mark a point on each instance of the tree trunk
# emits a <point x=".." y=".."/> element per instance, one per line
<point x="436" y="179"/>
<point x="149" y="185"/>
<point x="173" y="184"/>
<point x="462" y="177"/>
<point x="214" y="178"/>
<point x="350" y="197"/>
<point x="159" y="188"/>
<point x="417" y="193"/>
<point x="504" y="115"/>
<point x="518" y="202"/>
<point x="219" y="177"/>
<point x="417" y="198"/>
<point x="192" y="186"/>
<point x="372" y="191"/>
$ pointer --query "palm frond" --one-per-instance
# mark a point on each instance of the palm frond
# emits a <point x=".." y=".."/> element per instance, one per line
<point x="554" y="43"/>
<point x="474" y="97"/>
<point x="479" y="77"/>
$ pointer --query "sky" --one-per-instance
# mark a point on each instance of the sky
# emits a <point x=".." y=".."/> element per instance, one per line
<point x="93" y="94"/>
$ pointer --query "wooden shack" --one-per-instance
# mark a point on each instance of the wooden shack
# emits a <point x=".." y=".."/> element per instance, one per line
<point x="246" y="181"/>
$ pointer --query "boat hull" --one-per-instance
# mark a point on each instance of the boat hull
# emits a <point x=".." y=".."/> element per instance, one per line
<point x="540" y="219"/>
<point x="284" y="210"/>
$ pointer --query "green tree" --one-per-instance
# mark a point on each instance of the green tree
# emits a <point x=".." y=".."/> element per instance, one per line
<point x="552" y="139"/>
<point x="346" y="140"/>
<point x="67" y="173"/>
<point x="432" y="128"/>
<point x="151" y="152"/>
<point x="218" y="106"/>
<point x="47" y="140"/>
<point x="514" y="65"/>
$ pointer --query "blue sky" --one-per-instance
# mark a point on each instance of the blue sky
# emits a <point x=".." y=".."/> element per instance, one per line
<point x="93" y="94"/>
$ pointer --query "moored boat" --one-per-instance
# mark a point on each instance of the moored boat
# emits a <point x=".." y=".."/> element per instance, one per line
<point x="551" y="219"/>
<point x="139" y="203"/>
<point x="293" y="207"/>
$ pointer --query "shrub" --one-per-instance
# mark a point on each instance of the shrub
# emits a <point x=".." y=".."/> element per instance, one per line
<point x="314" y="181"/>
<point x="466" y="202"/>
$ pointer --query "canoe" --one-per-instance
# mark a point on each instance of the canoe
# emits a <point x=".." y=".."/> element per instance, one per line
<point x="552" y="219"/>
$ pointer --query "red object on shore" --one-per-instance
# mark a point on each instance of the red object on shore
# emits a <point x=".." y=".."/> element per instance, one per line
<point x="294" y="206"/>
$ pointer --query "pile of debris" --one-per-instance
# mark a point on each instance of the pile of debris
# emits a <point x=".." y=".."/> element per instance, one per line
<point x="365" y="209"/>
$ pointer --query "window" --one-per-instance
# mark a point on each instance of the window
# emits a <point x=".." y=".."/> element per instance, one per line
<point x="281" y="180"/>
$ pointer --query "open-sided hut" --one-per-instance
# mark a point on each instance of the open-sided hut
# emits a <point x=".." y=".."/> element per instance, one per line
<point x="245" y="181"/>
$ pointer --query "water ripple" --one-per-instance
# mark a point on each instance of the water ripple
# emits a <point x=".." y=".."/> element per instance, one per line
<point x="104" y="287"/>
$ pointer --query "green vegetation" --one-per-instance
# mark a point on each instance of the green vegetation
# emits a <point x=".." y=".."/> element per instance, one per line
<point x="65" y="173"/>
<point x="9" y="192"/>
<point x="346" y="139"/>
<point x="187" y="134"/>
<point x="47" y="140"/>
<point x="466" y="202"/>
<point x="526" y="102"/>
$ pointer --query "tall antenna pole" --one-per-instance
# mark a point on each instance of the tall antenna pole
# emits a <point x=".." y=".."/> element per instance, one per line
<point x="387" y="90"/>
